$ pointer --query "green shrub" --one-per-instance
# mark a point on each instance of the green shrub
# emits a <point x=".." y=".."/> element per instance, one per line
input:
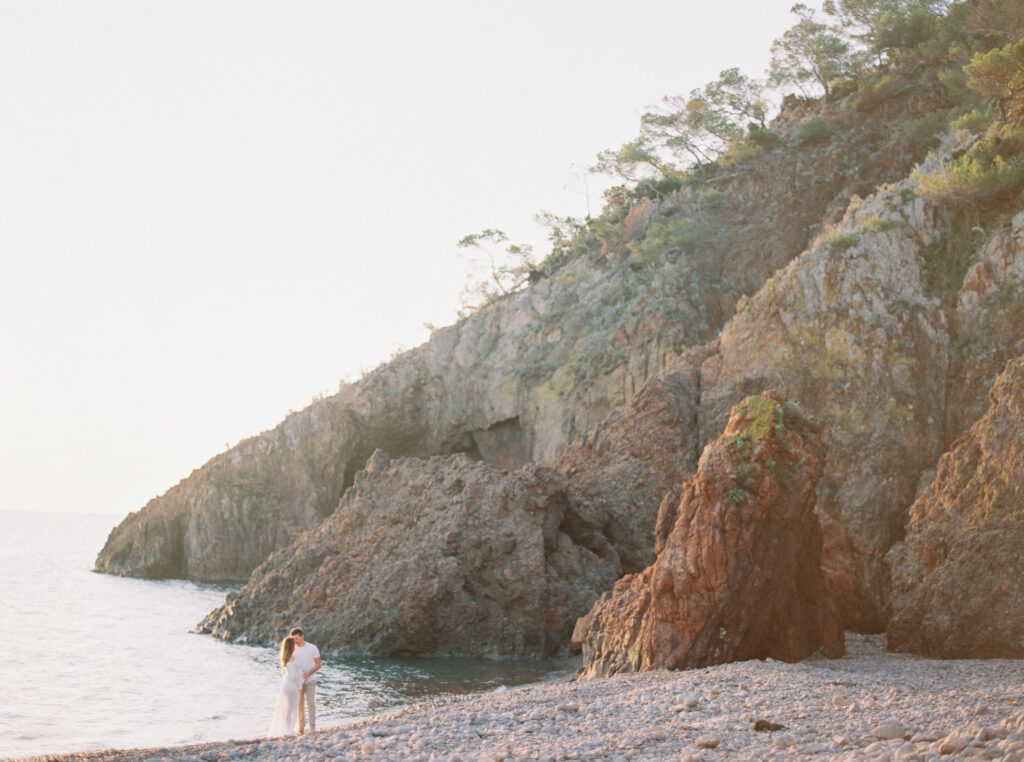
<point x="740" y="152"/>
<point x="969" y="178"/>
<point x="710" y="196"/>
<point x="736" y="496"/>
<point x="669" y="235"/>
<point x="814" y="130"/>
<point x="992" y="168"/>
<point x="876" y="91"/>
<point x="878" y="225"/>
<point x="835" y="240"/>
<point x="764" y="138"/>
<point x="926" y="129"/>
<point x="976" y="121"/>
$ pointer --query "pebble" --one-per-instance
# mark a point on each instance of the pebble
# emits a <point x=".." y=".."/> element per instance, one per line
<point x="707" y="742"/>
<point x="953" y="743"/>
<point x="889" y="730"/>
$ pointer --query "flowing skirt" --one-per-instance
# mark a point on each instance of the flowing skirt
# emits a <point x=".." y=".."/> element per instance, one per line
<point x="285" y="721"/>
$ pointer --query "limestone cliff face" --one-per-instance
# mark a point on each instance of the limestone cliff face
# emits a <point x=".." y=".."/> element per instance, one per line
<point x="445" y="555"/>
<point x="738" y="573"/>
<point x="958" y="578"/>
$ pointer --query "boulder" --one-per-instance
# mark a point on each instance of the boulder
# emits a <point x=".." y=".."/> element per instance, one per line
<point x="440" y="556"/>
<point x="958" y="577"/>
<point x="738" y="574"/>
<point x="619" y="471"/>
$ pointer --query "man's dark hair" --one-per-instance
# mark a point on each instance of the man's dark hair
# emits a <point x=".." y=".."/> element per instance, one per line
<point x="296" y="631"/>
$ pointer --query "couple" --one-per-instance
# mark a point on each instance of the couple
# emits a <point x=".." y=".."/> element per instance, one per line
<point x="299" y="662"/>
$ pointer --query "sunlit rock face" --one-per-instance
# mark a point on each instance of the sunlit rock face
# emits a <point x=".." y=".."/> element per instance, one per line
<point x="439" y="556"/>
<point x="850" y="330"/>
<point x="958" y="578"/>
<point x="987" y="321"/>
<point x="738" y="572"/>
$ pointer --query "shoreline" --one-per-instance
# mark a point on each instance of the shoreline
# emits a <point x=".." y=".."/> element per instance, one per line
<point x="867" y="705"/>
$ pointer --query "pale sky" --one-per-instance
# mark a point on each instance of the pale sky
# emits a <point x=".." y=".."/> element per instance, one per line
<point x="212" y="211"/>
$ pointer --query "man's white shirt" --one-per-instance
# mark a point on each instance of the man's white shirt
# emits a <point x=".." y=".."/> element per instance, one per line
<point x="306" y="658"/>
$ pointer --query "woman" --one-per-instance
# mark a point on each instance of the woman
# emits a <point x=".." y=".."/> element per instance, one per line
<point x="285" y="721"/>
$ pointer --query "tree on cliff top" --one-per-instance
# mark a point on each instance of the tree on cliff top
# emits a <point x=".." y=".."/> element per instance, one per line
<point x="998" y="76"/>
<point x="886" y="27"/>
<point x="1001" y="21"/>
<point x="810" y="53"/>
<point x="688" y="130"/>
<point x="495" y="270"/>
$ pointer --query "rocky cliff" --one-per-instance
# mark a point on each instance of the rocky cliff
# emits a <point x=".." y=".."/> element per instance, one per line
<point x="738" y="573"/>
<point x="816" y="268"/>
<point x="446" y="555"/>
<point x="958" y="578"/>
<point x="519" y="380"/>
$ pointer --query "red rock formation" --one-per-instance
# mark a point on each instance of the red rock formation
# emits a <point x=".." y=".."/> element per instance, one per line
<point x="445" y="555"/>
<point x="739" y="574"/>
<point x="958" y="577"/>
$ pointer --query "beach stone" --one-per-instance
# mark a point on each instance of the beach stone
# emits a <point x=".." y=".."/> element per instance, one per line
<point x="953" y="743"/>
<point x="889" y="730"/>
<point x="744" y="544"/>
<point x="784" y="740"/>
<point x="707" y="742"/>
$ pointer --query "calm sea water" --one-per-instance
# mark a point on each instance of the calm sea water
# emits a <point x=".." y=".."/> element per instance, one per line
<point x="93" y="661"/>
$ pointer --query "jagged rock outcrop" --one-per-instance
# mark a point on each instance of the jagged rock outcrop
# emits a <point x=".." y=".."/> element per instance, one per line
<point x="958" y="578"/>
<point x="446" y="555"/>
<point x="738" y="576"/>
<point x="849" y="329"/>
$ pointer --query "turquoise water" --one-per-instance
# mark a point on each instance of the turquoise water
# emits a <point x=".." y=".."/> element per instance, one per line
<point x="94" y="661"/>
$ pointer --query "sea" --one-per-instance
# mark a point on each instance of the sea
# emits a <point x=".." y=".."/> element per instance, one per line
<point x="90" y="661"/>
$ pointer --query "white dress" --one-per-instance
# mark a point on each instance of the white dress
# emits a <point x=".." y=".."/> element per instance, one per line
<point x="285" y="721"/>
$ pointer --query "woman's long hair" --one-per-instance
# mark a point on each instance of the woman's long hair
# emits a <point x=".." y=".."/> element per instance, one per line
<point x="287" y="649"/>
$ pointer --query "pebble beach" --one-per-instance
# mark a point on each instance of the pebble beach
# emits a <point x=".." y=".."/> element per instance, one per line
<point x="868" y="705"/>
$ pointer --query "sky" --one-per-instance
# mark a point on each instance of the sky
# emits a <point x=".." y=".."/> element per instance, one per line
<point x="211" y="212"/>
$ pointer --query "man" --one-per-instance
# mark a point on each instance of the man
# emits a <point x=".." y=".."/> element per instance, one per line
<point x="306" y="656"/>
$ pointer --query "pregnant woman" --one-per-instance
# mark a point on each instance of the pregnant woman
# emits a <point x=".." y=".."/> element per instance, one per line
<point x="285" y="721"/>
